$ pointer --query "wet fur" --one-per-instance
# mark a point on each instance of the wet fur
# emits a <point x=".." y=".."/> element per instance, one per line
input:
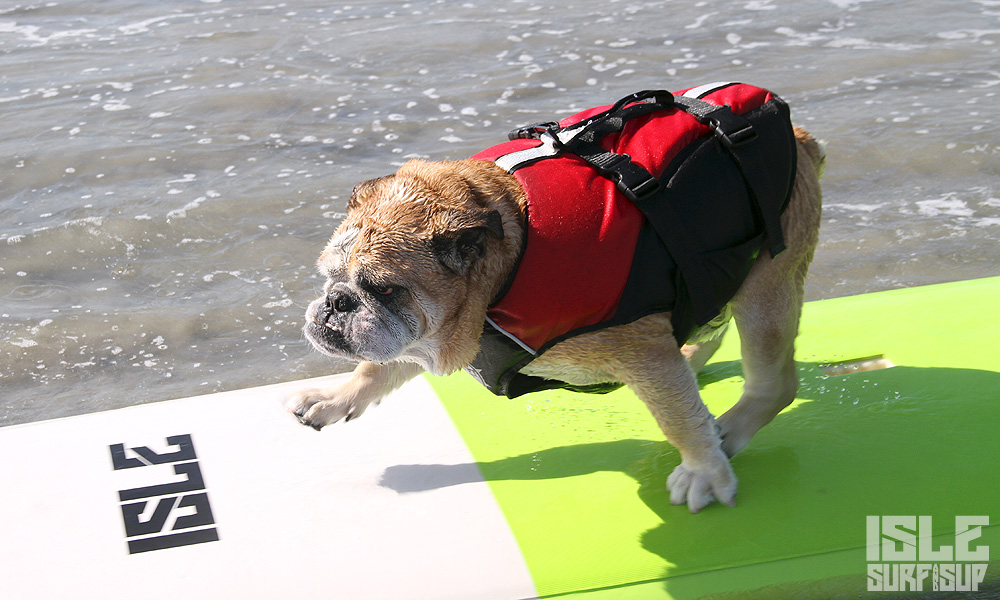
<point x="449" y="233"/>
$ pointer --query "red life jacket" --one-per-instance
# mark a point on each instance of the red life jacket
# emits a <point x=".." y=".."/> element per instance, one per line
<point x="658" y="203"/>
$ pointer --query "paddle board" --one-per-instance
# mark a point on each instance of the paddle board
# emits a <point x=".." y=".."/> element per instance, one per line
<point x="882" y="475"/>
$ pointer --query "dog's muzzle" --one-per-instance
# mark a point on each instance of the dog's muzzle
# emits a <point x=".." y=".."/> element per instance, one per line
<point x="341" y="301"/>
<point x="327" y="317"/>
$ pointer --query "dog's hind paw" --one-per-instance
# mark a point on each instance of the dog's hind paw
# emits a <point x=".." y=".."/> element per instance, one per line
<point x="700" y="486"/>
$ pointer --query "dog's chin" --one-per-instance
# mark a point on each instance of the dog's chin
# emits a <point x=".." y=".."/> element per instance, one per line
<point x="328" y="340"/>
<point x="333" y="342"/>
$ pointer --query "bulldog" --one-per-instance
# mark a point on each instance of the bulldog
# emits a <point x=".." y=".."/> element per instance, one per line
<point x="417" y="268"/>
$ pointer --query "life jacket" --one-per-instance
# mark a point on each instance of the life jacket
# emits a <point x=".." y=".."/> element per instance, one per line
<point x="658" y="203"/>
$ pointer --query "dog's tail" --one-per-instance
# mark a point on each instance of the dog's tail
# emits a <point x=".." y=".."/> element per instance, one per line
<point x="814" y="148"/>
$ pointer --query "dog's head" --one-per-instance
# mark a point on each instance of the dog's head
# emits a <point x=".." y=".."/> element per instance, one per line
<point x="412" y="268"/>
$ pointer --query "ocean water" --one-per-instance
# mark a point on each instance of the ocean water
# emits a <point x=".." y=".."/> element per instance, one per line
<point x="170" y="170"/>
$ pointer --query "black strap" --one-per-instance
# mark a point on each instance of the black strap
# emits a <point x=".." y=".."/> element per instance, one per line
<point x="740" y="140"/>
<point x="635" y="182"/>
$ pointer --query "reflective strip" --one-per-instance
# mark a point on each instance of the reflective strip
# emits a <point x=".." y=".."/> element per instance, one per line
<point x="514" y="338"/>
<point x="510" y="162"/>
<point x="708" y="88"/>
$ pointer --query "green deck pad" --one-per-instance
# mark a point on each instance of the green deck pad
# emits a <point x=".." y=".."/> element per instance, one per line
<point x="581" y="478"/>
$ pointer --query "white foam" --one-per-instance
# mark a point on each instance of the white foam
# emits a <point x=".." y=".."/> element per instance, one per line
<point x="286" y="303"/>
<point x="949" y="204"/>
<point x="30" y="33"/>
<point x="803" y="39"/>
<point x="123" y="86"/>
<point x="143" y="26"/>
<point x="858" y="207"/>
<point x="697" y="22"/>
<point x="964" y="34"/>
<point x="95" y="221"/>
<point x="848" y="4"/>
<point x="186" y="178"/>
<point x="181" y="213"/>
<point x="116" y="105"/>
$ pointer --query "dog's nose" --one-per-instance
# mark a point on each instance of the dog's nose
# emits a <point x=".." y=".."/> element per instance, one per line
<point x="341" y="302"/>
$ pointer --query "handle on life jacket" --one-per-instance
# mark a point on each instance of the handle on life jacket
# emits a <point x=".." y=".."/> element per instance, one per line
<point x="614" y="118"/>
<point x="661" y="98"/>
<point x="652" y="99"/>
<point x="533" y="131"/>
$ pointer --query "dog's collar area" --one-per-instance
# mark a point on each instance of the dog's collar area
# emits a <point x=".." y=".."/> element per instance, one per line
<point x="509" y="281"/>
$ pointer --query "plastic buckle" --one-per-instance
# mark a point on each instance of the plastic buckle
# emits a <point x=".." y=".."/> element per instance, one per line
<point x="634" y="182"/>
<point x="642" y="191"/>
<point x="732" y="130"/>
<point x="734" y="139"/>
<point x="533" y="131"/>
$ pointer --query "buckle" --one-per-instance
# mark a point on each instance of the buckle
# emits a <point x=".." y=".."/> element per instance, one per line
<point x="734" y="139"/>
<point x="633" y="181"/>
<point x="533" y="131"/>
<point x="731" y="129"/>
<point x="641" y="191"/>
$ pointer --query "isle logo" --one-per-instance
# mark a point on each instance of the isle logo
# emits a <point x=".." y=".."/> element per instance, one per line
<point x="165" y="504"/>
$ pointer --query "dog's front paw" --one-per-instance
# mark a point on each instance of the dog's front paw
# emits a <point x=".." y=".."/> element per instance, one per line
<point x="319" y="408"/>
<point x="700" y="485"/>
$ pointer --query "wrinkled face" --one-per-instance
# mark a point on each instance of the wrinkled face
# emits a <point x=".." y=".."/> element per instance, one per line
<point x="396" y="269"/>
<point x="366" y="313"/>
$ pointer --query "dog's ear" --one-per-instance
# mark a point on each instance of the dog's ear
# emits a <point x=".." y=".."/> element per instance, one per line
<point x="363" y="191"/>
<point x="462" y="244"/>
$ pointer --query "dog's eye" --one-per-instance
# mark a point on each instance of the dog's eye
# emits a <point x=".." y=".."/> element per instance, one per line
<point x="383" y="289"/>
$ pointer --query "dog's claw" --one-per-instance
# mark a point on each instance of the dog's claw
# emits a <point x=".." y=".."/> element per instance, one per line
<point x="307" y="422"/>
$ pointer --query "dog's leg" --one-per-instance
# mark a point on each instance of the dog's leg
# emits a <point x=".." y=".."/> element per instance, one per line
<point x="671" y="394"/>
<point x="370" y="382"/>
<point x="767" y="320"/>
<point x="767" y="309"/>
<point x="644" y="356"/>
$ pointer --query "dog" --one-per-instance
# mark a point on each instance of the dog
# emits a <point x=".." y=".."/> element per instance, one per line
<point x="421" y="257"/>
